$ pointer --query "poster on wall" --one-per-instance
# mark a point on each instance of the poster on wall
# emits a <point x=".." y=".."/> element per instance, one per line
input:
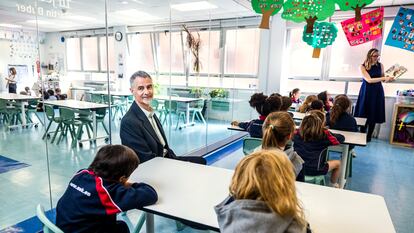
<point x="401" y="34"/>
<point x="369" y="28"/>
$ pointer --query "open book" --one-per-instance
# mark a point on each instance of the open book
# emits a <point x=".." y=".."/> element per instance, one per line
<point x="395" y="71"/>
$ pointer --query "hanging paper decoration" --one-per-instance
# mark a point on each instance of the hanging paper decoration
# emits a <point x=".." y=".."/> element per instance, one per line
<point x="355" y="5"/>
<point x="401" y="34"/>
<point x="267" y="8"/>
<point x="308" y="10"/>
<point x="324" y="34"/>
<point x="368" y="29"/>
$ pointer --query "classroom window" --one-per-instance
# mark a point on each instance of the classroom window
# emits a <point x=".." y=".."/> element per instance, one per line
<point x="209" y="52"/>
<point x="102" y="53"/>
<point x="301" y="63"/>
<point x="140" y="53"/>
<point x="345" y="59"/>
<point x="242" y="51"/>
<point x="389" y="55"/>
<point x="73" y="54"/>
<point x="90" y="53"/>
<point x="175" y="58"/>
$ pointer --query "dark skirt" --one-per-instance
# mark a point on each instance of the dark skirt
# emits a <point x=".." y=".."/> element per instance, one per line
<point x="371" y="102"/>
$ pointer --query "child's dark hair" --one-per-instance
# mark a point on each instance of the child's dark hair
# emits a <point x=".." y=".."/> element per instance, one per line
<point x="264" y="105"/>
<point x="114" y="161"/>
<point x="317" y="105"/>
<point x="323" y="96"/>
<point x="50" y="92"/>
<point x="340" y="106"/>
<point x="286" y="103"/>
<point x="293" y="92"/>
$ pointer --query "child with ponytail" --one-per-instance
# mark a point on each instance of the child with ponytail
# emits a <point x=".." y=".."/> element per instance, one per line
<point x="339" y="117"/>
<point x="262" y="197"/>
<point x="278" y="129"/>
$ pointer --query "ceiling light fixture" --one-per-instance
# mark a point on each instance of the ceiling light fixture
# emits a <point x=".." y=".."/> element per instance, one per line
<point x="134" y="15"/>
<point x="8" y="25"/>
<point x="193" y="6"/>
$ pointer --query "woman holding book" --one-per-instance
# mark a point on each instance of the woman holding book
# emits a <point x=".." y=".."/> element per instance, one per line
<point x="371" y="100"/>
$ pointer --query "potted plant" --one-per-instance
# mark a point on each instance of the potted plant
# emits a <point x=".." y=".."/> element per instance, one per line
<point x="219" y="99"/>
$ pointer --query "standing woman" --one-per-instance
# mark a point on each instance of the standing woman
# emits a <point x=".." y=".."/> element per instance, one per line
<point x="11" y="80"/>
<point x="371" y="100"/>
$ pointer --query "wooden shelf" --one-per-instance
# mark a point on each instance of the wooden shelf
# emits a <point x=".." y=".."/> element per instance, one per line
<point x="408" y="126"/>
<point x="395" y="125"/>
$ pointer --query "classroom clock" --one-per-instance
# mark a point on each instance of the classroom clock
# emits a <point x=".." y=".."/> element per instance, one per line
<point x="118" y="36"/>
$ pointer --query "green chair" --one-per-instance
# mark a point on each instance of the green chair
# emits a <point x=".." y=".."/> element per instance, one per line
<point x="197" y="111"/>
<point x="48" y="226"/>
<point x="170" y="109"/>
<point x="97" y="98"/>
<point x="339" y="149"/>
<point x="320" y="179"/>
<point x="117" y="105"/>
<point x="100" y="118"/>
<point x="50" y="115"/>
<point x="250" y="144"/>
<point x="32" y="109"/>
<point x="68" y="124"/>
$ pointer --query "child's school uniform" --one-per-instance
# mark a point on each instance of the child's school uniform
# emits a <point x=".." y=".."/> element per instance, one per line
<point x="314" y="152"/>
<point x="254" y="127"/>
<point x="90" y="203"/>
<point x="296" y="101"/>
<point x="345" y="122"/>
<point x="245" y="215"/>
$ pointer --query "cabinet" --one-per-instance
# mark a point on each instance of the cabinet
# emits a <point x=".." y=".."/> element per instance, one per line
<point x="402" y="128"/>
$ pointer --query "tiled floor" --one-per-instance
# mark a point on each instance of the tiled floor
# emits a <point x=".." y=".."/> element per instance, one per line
<point x="379" y="168"/>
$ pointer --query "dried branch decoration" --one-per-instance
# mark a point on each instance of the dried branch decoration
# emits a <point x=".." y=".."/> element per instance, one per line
<point x="194" y="44"/>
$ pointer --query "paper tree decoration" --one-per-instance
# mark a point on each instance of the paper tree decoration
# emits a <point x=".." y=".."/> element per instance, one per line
<point x="355" y="5"/>
<point x="401" y="34"/>
<point x="308" y="10"/>
<point x="368" y="29"/>
<point x="323" y="34"/>
<point x="267" y="8"/>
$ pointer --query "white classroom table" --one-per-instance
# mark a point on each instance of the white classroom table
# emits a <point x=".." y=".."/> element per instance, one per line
<point x="351" y="138"/>
<point x="188" y="191"/>
<point x="299" y="116"/>
<point x="185" y="100"/>
<point x="74" y="90"/>
<point x="80" y="105"/>
<point x="20" y="99"/>
<point x="122" y="94"/>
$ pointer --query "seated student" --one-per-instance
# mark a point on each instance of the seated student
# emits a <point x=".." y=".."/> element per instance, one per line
<point x="317" y="105"/>
<point x="295" y="96"/>
<point x="326" y="100"/>
<point x="306" y="104"/>
<point x="311" y="142"/>
<point x="51" y="94"/>
<point x="264" y="105"/>
<point x="339" y="117"/>
<point x="59" y="94"/>
<point x="262" y="197"/>
<point x="95" y="195"/>
<point x="278" y="130"/>
<point x="286" y="103"/>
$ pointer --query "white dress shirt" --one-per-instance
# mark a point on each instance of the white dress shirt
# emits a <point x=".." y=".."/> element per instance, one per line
<point x="150" y="116"/>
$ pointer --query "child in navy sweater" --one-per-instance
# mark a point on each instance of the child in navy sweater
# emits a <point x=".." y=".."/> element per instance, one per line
<point x="311" y="142"/>
<point x="264" y="105"/>
<point x="339" y="118"/>
<point x="95" y="195"/>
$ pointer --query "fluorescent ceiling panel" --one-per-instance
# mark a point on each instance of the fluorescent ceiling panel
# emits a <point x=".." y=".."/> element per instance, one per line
<point x="193" y="6"/>
<point x="7" y="25"/>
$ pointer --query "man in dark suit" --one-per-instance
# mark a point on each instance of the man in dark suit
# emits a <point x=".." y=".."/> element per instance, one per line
<point x="141" y="129"/>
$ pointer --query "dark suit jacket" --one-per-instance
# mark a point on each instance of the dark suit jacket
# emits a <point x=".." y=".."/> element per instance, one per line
<point x="137" y="133"/>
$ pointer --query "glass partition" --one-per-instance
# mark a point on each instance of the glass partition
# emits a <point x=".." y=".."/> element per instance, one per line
<point x="76" y="58"/>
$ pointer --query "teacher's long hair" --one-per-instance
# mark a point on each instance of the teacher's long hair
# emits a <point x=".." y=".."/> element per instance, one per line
<point x="368" y="60"/>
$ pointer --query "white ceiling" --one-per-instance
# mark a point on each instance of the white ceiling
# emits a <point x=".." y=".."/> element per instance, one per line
<point x="86" y="14"/>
